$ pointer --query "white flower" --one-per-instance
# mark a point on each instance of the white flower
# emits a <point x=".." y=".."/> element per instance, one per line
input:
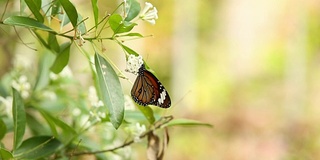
<point x="49" y="95"/>
<point x="22" y="86"/>
<point x="95" y="117"/>
<point x="134" y="63"/>
<point x="6" y="105"/>
<point x="136" y="131"/>
<point x="23" y="59"/>
<point x="65" y="73"/>
<point x="93" y="98"/>
<point x="76" y="112"/>
<point x="149" y="13"/>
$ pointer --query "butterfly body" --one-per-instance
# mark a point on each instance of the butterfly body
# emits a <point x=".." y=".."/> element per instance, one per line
<point x="148" y="90"/>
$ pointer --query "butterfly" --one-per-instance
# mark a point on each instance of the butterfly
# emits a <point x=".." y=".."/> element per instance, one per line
<point x="148" y="90"/>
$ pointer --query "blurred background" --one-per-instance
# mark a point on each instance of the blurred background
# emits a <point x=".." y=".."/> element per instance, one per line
<point x="248" y="67"/>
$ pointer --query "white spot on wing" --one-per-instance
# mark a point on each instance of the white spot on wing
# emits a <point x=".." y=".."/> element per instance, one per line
<point x="162" y="97"/>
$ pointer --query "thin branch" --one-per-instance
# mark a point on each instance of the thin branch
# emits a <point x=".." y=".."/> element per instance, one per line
<point x="22" y="40"/>
<point x="4" y="11"/>
<point x="99" y="22"/>
<point x="104" y="24"/>
<point x="162" y="121"/>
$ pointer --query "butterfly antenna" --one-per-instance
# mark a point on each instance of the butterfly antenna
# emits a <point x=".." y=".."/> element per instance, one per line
<point x="176" y="103"/>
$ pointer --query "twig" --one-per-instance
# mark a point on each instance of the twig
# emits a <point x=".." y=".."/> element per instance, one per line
<point x="162" y="121"/>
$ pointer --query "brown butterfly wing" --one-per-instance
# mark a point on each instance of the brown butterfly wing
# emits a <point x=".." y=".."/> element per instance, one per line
<point x="147" y="90"/>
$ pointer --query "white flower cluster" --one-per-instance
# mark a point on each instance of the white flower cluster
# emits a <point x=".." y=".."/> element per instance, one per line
<point x="96" y="103"/>
<point x="22" y="86"/>
<point x="149" y="13"/>
<point x="6" y="106"/>
<point x="97" y="116"/>
<point x="93" y="98"/>
<point x="136" y="131"/>
<point x="134" y="63"/>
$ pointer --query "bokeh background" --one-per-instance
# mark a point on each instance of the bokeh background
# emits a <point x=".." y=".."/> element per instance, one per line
<point x="248" y="67"/>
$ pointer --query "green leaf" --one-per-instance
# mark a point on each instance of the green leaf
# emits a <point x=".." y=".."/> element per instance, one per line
<point x="110" y="89"/>
<point x="70" y="11"/>
<point x="186" y="122"/>
<point x="148" y="113"/>
<point x="118" y="25"/>
<point x="131" y="35"/>
<point x="62" y="59"/>
<point x="46" y="61"/>
<point x="53" y="43"/>
<point x="41" y="40"/>
<point x="46" y="7"/>
<point x="67" y="133"/>
<point x="19" y="118"/>
<point x="81" y="26"/>
<point x="23" y="7"/>
<point x="95" y="12"/>
<point x="5" y="154"/>
<point x="27" y="22"/>
<point x="132" y="9"/>
<point x="56" y="8"/>
<point x="35" y="6"/>
<point x="64" y="19"/>
<point x="37" y="147"/>
<point x="114" y="21"/>
<point x="129" y="50"/>
<point x="36" y="125"/>
<point x="3" y="129"/>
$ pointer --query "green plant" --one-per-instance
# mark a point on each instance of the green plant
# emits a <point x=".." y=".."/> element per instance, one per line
<point x="63" y="122"/>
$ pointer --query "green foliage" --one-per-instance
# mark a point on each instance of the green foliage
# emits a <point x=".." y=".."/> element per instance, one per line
<point x="62" y="58"/>
<point x="19" y="118"/>
<point x="37" y="147"/>
<point x="26" y="22"/>
<point x="133" y="10"/>
<point x="56" y="109"/>
<point x="110" y="89"/>
<point x="70" y="11"/>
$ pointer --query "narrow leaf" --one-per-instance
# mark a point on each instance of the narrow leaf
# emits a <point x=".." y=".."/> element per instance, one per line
<point x="81" y="26"/>
<point x="27" y="22"/>
<point x="46" y="61"/>
<point x="3" y="129"/>
<point x="51" y="123"/>
<point x="129" y="50"/>
<point x="132" y="35"/>
<point x="67" y="133"/>
<point x="132" y="9"/>
<point x="46" y="7"/>
<point x="62" y="59"/>
<point x="95" y="12"/>
<point x="56" y="8"/>
<point x="41" y="40"/>
<point x="5" y="154"/>
<point x="53" y="43"/>
<point x="148" y="113"/>
<point x="110" y="89"/>
<point x="186" y="122"/>
<point x="37" y="147"/>
<point x="35" y="6"/>
<point x="19" y="118"/>
<point x="70" y="11"/>
<point x="23" y="7"/>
